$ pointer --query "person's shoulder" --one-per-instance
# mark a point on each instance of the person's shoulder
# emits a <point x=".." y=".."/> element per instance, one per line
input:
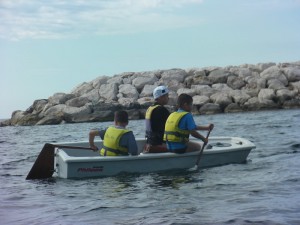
<point x="161" y="108"/>
<point x="188" y="115"/>
<point x="129" y="133"/>
<point x="129" y="136"/>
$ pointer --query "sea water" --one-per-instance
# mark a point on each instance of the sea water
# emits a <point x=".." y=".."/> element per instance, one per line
<point x="265" y="190"/>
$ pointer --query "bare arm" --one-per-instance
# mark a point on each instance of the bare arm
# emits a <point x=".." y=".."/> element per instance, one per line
<point x="132" y="145"/>
<point x="92" y="135"/>
<point x="209" y="127"/>
<point x="195" y="134"/>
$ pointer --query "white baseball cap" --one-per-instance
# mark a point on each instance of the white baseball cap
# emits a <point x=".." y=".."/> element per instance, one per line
<point x="160" y="91"/>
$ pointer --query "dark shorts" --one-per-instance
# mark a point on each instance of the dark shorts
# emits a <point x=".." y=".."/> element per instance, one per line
<point x="155" y="148"/>
<point x="178" y="151"/>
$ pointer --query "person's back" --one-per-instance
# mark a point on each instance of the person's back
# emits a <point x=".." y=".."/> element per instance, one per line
<point x="117" y="140"/>
<point x="155" y="120"/>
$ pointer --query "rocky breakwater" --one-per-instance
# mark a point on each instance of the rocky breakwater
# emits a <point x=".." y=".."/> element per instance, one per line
<point x="214" y="90"/>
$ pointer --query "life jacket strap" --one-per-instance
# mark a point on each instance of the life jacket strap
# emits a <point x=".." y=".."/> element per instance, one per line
<point x="116" y="151"/>
<point x="184" y="138"/>
<point x="176" y="134"/>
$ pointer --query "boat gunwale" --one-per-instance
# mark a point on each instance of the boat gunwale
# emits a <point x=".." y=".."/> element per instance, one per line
<point x="245" y="146"/>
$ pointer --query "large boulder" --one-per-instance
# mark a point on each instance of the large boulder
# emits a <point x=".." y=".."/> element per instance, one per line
<point x="128" y="77"/>
<point x="203" y="90"/>
<point x="37" y="106"/>
<point x="92" y="96"/>
<point x="210" y="108"/>
<point x="218" y="76"/>
<point x="116" y="79"/>
<point x="221" y="99"/>
<point x="292" y="73"/>
<point x="128" y="91"/>
<point x="274" y="72"/>
<point x="173" y="74"/>
<point x="200" y="100"/>
<point x="59" y="98"/>
<point x="96" y="83"/>
<point x="291" y="104"/>
<point x="54" y="111"/>
<point x="296" y="85"/>
<point x="75" y="114"/>
<point x="275" y="84"/>
<point x="82" y="89"/>
<point x="254" y="104"/>
<point x="126" y="101"/>
<point x="145" y="102"/>
<point x="104" y="106"/>
<point x="16" y="116"/>
<point x="188" y="91"/>
<point x="173" y="98"/>
<point x="109" y="91"/>
<point x="21" y="118"/>
<point x="255" y="82"/>
<point x="239" y="96"/>
<point x="50" y="120"/>
<point x="144" y="78"/>
<point x="235" y="82"/>
<point x="147" y="90"/>
<point x="266" y="96"/>
<point x="221" y="87"/>
<point x="103" y="116"/>
<point x="77" y="102"/>
<point x="285" y="94"/>
<point x="5" y="123"/>
<point x="233" y="108"/>
<point x="200" y="77"/>
<point x="241" y="72"/>
<point x="263" y="66"/>
<point x="172" y="85"/>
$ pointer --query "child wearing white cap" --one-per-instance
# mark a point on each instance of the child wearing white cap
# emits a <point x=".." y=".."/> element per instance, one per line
<point x="156" y="117"/>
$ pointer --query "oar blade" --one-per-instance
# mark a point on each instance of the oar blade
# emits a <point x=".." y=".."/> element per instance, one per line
<point x="44" y="164"/>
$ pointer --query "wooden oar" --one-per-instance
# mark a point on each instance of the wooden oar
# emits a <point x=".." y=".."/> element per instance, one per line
<point x="44" y="164"/>
<point x="200" y="154"/>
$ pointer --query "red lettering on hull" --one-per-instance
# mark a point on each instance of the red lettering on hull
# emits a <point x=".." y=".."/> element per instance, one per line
<point x="90" y="170"/>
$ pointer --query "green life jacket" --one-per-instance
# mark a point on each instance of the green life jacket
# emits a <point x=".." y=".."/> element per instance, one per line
<point x="111" y="142"/>
<point x="172" y="132"/>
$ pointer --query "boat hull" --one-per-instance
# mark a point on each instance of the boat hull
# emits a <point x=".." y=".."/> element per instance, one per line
<point x="74" y="163"/>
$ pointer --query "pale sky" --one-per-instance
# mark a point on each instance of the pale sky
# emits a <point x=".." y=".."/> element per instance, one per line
<point x="52" y="46"/>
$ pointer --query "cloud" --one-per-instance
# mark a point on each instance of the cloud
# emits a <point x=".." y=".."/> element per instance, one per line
<point x="56" y="19"/>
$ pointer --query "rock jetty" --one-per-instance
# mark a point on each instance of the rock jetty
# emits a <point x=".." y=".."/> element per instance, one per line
<point x="214" y="90"/>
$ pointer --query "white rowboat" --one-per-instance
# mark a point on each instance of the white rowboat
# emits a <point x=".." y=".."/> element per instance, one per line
<point x="82" y="163"/>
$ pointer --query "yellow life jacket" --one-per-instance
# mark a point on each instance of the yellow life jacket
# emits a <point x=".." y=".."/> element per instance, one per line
<point x="148" y="120"/>
<point x="172" y="131"/>
<point x="111" y="142"/>
<point x="149" y="111"/>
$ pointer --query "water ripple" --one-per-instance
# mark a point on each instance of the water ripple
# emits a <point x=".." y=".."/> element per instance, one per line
<point x="263" y="191"/>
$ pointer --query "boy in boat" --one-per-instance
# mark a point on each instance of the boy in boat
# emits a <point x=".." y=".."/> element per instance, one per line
<point x="180" y="125"/>
<point x="155" y="119"/>
<point x="117" y="140"/>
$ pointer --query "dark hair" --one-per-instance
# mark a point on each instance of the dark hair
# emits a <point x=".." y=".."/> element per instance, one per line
<point x="184" y="98"/>
<point x="121" y="116"/>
